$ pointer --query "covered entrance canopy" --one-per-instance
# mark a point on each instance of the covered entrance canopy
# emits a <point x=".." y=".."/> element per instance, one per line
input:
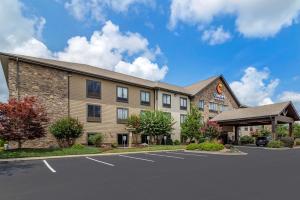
<point x="273" y="114"/>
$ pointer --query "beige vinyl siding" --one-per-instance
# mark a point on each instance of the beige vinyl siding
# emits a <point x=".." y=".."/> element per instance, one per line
<point x="108" y="103"/>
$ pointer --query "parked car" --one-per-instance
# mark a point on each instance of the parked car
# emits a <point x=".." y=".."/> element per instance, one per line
<point x="262" y="141"/>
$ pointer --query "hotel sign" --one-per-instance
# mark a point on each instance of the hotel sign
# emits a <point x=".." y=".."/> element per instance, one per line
<point x="219" y="94"/>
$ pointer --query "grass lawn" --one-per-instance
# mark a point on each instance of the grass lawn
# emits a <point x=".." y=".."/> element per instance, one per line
<point x="23" y="153"/>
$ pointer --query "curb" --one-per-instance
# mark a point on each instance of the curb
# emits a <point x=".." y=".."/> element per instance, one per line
<point x="81" y="155"/>
<point x="219" y="153"/>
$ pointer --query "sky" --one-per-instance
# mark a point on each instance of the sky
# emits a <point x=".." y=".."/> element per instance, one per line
<point x="255" y="44"/>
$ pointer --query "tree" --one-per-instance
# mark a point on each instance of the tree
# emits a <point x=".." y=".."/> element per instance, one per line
<point x="264" y="132"/>
<point x="296" y="130"/>
<point x="190" y="128"/>
<point x="281" y="130"/>
<point x="22" y="120"/>
<point x="211" y="130"/>
<point x="134" y="121"/>
<point x="66" y="131"/>
<point x="156" y="124"/>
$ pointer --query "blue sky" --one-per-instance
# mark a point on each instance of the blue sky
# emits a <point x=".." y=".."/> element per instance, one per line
<point x="254" y="44"/>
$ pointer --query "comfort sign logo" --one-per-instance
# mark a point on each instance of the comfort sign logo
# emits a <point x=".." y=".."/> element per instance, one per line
<point x="220" y="88"/>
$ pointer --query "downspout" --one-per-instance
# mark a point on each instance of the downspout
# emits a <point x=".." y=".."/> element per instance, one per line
<point x="18" y="80"/>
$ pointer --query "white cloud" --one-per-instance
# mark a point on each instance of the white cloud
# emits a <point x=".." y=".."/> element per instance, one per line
<point x="109" y="47"/>
<point x="215" y="36"/>
<point x="291" y="96"/>
<point x="143" y="68"/>
<point x="96" y="9"/>
<point x="255" y="87"/>
<point x="254" y="18"/>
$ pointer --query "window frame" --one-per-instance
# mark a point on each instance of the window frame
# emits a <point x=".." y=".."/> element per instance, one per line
<point x="87" y="89"/>
<point x="182" y="115"/>
<point x="166" y="105"/>
<point x="121" y="99"/>
<point x="94" y="119"/>
<point x="122" y="121"/>
<point x="213" y="110"/>
<point x="186" y="101"/>
<point x="203" y="103"/>
<point x="145" y="103"/>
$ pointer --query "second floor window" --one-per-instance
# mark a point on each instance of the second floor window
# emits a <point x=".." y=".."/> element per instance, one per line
<point x="201" y="104"/>
<point x="122" y="94"/>
<point x="166" y="100"/>
<point x="94" y="113"/>
<point x="145" y="98"/>
<point x="213" y="107"/>
<point x="93" y="89"/>
<point x="122" y="115"/>
<point x="183" y="103"/>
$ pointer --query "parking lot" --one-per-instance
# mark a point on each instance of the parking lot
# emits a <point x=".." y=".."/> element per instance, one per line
<point x="262" y="174"/>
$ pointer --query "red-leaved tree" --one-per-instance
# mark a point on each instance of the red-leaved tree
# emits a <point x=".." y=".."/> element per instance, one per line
<point x="211" y="129"/>
<point x="22" y="120"/>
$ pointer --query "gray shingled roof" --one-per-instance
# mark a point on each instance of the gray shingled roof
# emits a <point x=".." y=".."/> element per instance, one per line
<point x="256" y="112"/>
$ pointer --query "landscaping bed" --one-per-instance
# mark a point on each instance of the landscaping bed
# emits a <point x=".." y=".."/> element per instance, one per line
<point x="79" y="150"/>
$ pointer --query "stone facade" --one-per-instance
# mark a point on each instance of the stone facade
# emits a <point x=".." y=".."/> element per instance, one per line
<point x="49" y="85"/>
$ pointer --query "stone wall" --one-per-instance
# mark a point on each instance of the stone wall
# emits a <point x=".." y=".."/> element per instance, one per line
<point x="49" y="85"/>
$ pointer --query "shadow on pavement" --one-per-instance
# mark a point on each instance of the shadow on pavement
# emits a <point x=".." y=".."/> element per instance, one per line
<point x="11" y="168"/>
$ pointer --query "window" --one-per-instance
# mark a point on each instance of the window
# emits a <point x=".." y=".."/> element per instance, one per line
<point x="93" y="89"/>
<point x="213" y="107"/>
<point x="246" y="128"/>
<point x="122" y="94"/>
<point x="145" y="98"/>
<point x="122" y="115"/>
<point x="183" y="103"/>
<point x="168" y="114"/>
<point x="182" y="118"/>
<point x="201" y="104"/>
<point x="166" y="100"/>
<point x="93" y="113"/>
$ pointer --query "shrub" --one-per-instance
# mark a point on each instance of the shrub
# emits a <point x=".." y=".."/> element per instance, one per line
<point x="78" y="146"/>
<point x="228" y="146"/>
<point x="211" y="130"/>
<point x="296" y="130"/>
<point x="264" y="132"/>
<point x="297" y="141"/>
<point x="176" y="142"/>
<point x="275" y="144"/>
<point x="210" y="146"/>
<point x="66" y="130"/>
<point x="201" y="139"/>
<point x="247" y="139"/>
<point x="2" y="142"/>
<point x="96" y="139"/>
<point x="192" y="146"/>
<point x="287" y="141"/>
<point x="114" y="145"/>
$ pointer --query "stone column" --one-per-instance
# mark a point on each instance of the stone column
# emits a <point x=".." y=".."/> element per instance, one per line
<point x="130" y="139"/>
<point x="290" y="129"/>
<point x="236" y="135"/>
<point x="274" y="124"/>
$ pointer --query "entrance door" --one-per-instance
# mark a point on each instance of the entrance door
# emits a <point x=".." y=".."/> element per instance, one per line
<point x="123" y="139"/>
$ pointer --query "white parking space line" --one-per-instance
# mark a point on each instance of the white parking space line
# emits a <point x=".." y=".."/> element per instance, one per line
<point x="49" y="167"/>
<point x="105" y="163"/>
<point x="186" y="154"/>
<point x="137" y="158"/>
<point x="164" y="156"/>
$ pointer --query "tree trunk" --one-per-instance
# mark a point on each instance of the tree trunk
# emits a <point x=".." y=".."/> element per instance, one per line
<point x="19" y="144"/>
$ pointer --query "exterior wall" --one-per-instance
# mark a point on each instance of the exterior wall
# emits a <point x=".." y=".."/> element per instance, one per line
<point x="174" y="110"/>
<point x="108" y="125"/>
<point x="208" y="96"/>
<point x="49" y="85"/>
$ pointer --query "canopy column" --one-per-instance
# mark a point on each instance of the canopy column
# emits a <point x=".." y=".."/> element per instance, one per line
<point x="274" y="124"/>
<point x="236" y="135"/>
<point x="290" y="129"/>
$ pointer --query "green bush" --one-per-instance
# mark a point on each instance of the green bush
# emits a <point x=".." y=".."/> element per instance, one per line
<point x="275" y="144"/>
<point x="201" y="139"/>
<point x="2" y="142"/>
<point x="66" y="130"/>
<point x="247" y="140"/>
<point x="176" y="142"/>
<point x="210" y="146"/>
<point x="297" y="141"/>
<point x="96" y="139"/>
<point x="287" y="141"/>
<point x="78" y="146"/>
<point x="192" y="146"/>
